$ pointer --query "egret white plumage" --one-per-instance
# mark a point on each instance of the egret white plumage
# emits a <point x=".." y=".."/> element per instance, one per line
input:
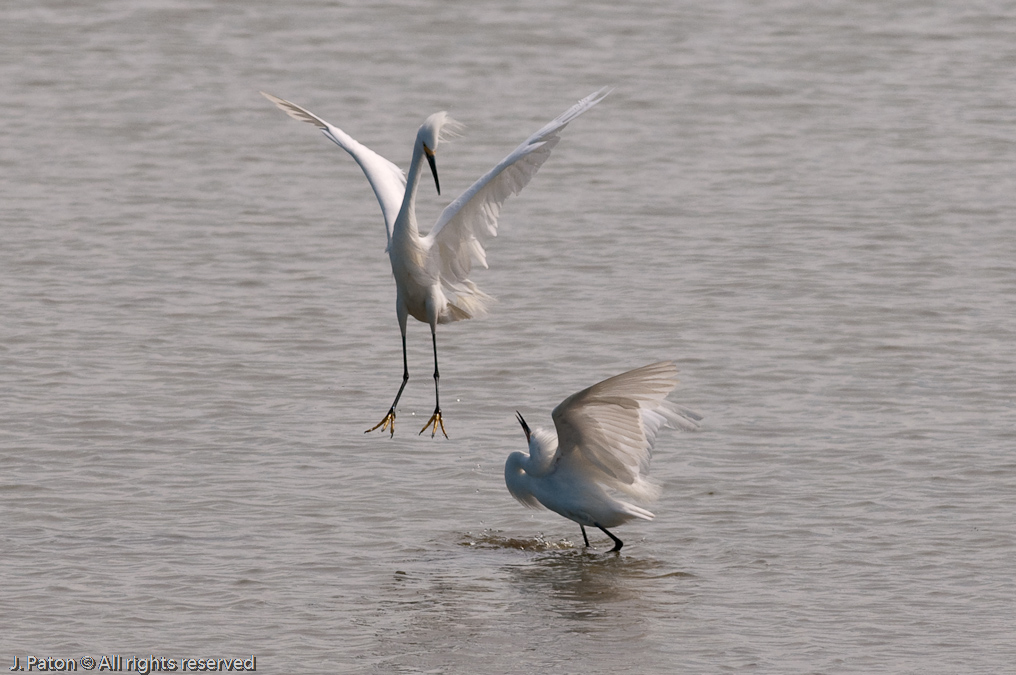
<point x="600" y="451"/>
<point x="432" y="272"/>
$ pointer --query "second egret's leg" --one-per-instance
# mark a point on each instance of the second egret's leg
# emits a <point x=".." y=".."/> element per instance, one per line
<point x="435" y="419"/>
<point x="389" y="419"/>
<point x="617" y="542"/>
<point x="584" y="537"/>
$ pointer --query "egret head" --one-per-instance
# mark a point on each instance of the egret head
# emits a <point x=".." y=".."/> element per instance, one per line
<point x="438" y="127"/>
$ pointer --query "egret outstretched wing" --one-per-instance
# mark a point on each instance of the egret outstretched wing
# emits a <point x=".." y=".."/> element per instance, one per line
<point x="469" y="222"/>
<point x="387" y="179"/>
<point x="607" y="431"/>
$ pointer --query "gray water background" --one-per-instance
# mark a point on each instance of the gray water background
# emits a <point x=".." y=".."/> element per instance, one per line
<point x="809" y="207"/>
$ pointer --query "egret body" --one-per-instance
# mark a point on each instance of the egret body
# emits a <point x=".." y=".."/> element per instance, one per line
<point x="597" y="456"/>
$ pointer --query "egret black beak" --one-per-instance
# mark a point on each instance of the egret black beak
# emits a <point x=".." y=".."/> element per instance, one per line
<point x="433" y="167"/>
<point x="525" y="427"/>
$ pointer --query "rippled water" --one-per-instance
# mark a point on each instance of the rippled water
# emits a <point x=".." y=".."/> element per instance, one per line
<point x="810" y="209"/>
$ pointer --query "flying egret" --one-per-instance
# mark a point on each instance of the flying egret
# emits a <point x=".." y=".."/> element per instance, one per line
<point x="602" y="447"/>
<point x="432" y="272"/>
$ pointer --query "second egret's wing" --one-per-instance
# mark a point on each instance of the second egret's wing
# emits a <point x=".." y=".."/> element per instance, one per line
<point x="387" y="180"/>
<point x="466" y="224"/>
<point x="607" y="431"/>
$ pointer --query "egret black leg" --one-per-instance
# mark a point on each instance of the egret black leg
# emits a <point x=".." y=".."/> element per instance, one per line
<point x="617" y="542"/>
<point x="435" y="419"/>
<point x="584" y="537"/>
<point x="389" y="420"/>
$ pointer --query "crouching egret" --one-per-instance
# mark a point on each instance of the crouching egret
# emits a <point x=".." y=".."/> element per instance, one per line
<point x="602" y="447"/>
<point x="432" y="272"/>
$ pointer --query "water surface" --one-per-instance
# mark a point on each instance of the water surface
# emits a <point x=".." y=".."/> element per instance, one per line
<point x="808" y="209"/>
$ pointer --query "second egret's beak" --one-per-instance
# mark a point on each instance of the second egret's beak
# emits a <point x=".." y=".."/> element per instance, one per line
<point x="525" y="427"/>
<point x="433" y="167"/>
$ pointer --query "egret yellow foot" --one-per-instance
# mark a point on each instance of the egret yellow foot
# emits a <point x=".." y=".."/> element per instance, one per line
<point x="434" y="421"/>
<point x="388" y="421"/>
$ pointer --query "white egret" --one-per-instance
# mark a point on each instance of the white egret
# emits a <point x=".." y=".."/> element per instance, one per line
<point x="602" y="447"/>
<point x="432" y="272"/>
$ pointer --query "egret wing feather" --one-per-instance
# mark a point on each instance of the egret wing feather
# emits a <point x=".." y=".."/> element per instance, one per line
<point x="468" y="223"/>
<point x="608" y="430"/>
<point x="386" y="179"/>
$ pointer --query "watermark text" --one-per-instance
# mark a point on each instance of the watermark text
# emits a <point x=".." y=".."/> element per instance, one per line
<point x="117" y="663"/>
